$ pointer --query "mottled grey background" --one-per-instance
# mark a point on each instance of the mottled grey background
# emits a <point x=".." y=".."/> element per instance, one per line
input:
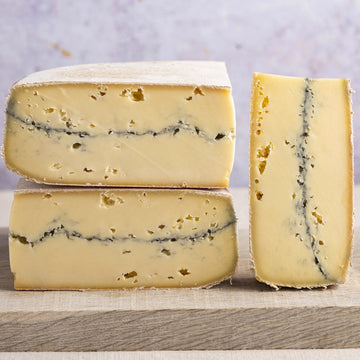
<point x="302" y="38"/>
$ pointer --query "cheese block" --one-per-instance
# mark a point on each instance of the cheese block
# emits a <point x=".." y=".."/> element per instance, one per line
<point x="301" y="180"/>
<point x="80" y="238"/>
<point x="125" y="124"/>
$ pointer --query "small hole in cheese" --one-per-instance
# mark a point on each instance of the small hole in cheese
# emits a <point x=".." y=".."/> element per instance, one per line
<point x="262" y="165"/>
<point x="219" y="136"/>
<point x="109" y="199"/>
<point x="125" y="92"/>
<point x="165" y="252"/>
<point x="318" y="218"/>
<point x="137" y="95"/>
<point x="265" y="102"/>
<point x="130" y="275"/>
<point x="49" y="110"/>
<point x="76" y="145"/>
<point x="184" y="272"/>
<point x="298" y="236"/>
<point x="264" y="151"/>
<point x="56" y="166"/>
<point x="198" y="91"/>
<point x="259" y="195"/>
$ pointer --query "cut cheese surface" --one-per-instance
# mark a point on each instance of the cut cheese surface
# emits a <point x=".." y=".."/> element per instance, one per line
<point x="301" y="180"/>
<point x="128" y="124"/>
<point x="80" y="238"/>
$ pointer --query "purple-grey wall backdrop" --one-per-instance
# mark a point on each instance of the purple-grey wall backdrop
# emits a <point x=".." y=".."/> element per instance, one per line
<point x="302" y="38"/>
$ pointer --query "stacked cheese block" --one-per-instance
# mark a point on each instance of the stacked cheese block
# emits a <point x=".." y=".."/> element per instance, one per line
<point x="122" y="144"/>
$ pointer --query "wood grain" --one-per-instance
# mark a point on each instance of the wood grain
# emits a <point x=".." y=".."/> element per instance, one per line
<point x="244" y="315"/>
<point x="333" y="354"/>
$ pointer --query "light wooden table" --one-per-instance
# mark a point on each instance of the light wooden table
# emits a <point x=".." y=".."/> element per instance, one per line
<point x="244" y="315"/>
<point x="339" y="354"/>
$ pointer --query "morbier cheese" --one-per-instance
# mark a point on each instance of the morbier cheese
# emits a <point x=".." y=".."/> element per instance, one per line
<point x="301" y="180"/>
<point x="79" y="238"/>
<point x="124" y="124"/>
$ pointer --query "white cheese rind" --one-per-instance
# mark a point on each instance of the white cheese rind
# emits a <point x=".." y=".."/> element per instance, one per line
<point x="116" y="134"/>
<point x="172" y="73"/>
<point x="66" y="238"/>
<point x="301" y="180"/>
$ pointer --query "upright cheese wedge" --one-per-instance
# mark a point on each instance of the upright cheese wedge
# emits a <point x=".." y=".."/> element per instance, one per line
<point x="79" y="238"/>
<point x="301" y="180"/>
<point x="132" y="124"/>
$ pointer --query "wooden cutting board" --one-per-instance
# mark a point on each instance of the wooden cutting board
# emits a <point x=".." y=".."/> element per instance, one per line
<point x="241" y="315"/>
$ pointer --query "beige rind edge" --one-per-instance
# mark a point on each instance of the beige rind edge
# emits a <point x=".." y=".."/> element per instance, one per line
<point x="173" y="73"/>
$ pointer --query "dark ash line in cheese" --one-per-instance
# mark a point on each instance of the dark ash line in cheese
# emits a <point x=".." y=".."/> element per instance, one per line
<point x="47" y="129"/>
<point x="74" y="234"/>
<point x="171" y="129"/>
<point x="301" y="153"/>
